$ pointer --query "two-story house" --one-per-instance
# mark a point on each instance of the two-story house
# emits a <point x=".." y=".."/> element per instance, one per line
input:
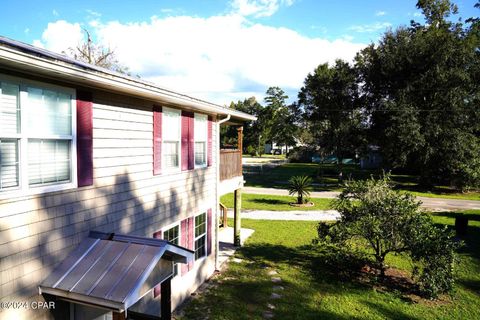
<point x="109" y="190"/>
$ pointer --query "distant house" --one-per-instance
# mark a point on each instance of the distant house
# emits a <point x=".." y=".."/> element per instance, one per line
<point x="372" y="159"/>
<point x="109" y="189"/>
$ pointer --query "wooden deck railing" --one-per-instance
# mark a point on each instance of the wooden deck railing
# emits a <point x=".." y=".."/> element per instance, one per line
<point x="230" y="164"/>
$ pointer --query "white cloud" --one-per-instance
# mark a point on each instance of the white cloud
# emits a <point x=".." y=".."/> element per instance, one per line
<point x="60" y="35"/>
<point x="380" y="13"/>
<point x="217" y="58"/>
<point x="258" y="8"/>
<point x="377" y="26"/>
<point x="55" y="12"/>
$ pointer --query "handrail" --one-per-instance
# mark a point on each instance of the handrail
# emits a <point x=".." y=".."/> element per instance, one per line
<point x="223" y="217"/>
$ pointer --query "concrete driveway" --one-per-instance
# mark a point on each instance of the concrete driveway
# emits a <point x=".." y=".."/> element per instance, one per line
<point x="435" y="204"/>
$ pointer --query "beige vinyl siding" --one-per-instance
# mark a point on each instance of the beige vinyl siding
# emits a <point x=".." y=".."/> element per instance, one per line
<point x="37" y="232"/>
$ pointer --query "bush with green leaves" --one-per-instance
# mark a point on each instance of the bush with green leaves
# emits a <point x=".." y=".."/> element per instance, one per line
<point x="301" y="186"/>
<point x="387" y="222"/>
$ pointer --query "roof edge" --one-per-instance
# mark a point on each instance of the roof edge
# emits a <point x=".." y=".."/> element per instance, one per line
<point x="16" y="53"/>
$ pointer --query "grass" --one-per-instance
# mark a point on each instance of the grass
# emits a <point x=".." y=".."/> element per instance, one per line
<point x="315" y="291"/>
<point x="274" y="203"/>
<point x="325" y="178"/>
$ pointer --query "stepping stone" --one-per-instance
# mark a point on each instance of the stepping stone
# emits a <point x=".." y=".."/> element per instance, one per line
<point x="270" y="306"/>
<point x="275" y="296"/>
<point x="276" y="280"/>
<point x="272" y="272"/>
<point x="267" y="315"/>
<point x="237" y="260"/>
<point x="278" y="288"/>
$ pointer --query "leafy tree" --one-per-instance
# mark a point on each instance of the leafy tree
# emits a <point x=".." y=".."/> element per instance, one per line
<point x="332" y="110"/>
<point x="389" y="222"/>
<point x="301" y="186"/>
<point x="280" y="118"/>
<point x="96" y="54"/>
<point x="421" y="87"/>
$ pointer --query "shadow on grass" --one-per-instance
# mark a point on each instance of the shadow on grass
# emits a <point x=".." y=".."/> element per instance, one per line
<point x="269" y="201"/>
<point x="473" y="285"/>
<point x="389" y="313"/>
<point x="453" y="215"/>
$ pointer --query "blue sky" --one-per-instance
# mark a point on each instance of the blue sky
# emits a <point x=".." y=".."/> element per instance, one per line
<point x="216" y="50"/>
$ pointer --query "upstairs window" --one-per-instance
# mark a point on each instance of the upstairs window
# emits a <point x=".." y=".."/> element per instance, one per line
<point x="201" y="135"/>
<point x="171" y="126"/>
<point x="36" y="136"/>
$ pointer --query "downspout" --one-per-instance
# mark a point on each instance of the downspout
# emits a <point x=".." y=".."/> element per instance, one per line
<point x="217" y="231"/>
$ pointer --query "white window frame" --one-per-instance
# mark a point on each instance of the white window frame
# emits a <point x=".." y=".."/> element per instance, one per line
<point x="179" y="168"/>
<point x="200" y="116"/>
<point x="24" y="188"/>
<point x="195" y="238"/>
<point x="176" y="266"/>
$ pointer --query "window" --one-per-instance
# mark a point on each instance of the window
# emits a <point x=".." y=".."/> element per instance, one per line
<point x="172" y="235"/>
<point x="200" y="236"/>
<point x="36" y="136"/>
<point x="201" y="132"/>
<point x="171" y="126"/>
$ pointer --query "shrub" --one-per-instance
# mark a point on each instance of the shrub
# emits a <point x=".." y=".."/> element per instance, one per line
<point x="301" y="186"/>
<point x="388" y="221"/>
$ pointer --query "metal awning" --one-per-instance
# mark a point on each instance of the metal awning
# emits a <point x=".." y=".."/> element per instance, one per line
<point x="114" y="271"/>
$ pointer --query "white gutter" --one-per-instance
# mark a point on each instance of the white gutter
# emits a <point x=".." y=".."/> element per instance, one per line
<point x="217" y="196"/>
<point x="61" y="70"/>
<point x="224" y="120"/>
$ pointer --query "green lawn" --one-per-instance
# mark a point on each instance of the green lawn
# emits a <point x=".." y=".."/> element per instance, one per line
<point x="325" y="178"/>
<point x="315" y="291"/>
<point x="274" y="203"/>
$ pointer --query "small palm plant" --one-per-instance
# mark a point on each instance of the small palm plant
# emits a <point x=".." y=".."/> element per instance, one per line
<point x="300" y="185"/>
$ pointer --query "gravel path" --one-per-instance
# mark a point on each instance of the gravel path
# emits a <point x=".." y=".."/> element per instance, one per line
<point x="320" y="215"/>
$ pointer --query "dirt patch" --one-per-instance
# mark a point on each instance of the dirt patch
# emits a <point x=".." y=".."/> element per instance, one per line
<point x="303" y="205"/>
<point x="399" y="281"/>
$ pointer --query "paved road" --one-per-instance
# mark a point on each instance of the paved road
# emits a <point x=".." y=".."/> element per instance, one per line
<point x="436" y="204"/>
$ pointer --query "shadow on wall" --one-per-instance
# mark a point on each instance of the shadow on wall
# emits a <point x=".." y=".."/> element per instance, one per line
<point x="66" y="218"/>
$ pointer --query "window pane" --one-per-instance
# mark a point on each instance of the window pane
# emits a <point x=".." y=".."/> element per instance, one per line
<point x="171" y="235"/>
<point x="48" y="161"/>
<point x="170" y="125"/>
<point x="9" y="109"/>
<point x="200" y="157"/>
<point x="200" y="248"/>
<point x="200" y="227"/>
<point x="49" y="112"/>
<point x="170" y="154"/>
<point x="200" y="127"/>
<point x="8" y="163"/>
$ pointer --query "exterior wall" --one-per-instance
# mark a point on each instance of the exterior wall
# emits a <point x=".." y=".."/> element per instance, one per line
<point x="37" y="232"/>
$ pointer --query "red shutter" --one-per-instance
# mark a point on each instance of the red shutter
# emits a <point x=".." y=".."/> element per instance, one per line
<point x="209" y="146"/>
<point x="209" y="232"/>
<point x="183" y="242"/>
<point x="185" y="135"/>
<point x="157" y="139"/>
<point x="157" y="288"/>
<point x="191" y="142"/>
<point x="188" y="141"/>
<point x="191" y="239"/>
<point x="84" y="139"/>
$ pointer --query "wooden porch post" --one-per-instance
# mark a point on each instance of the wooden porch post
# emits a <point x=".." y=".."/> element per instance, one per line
<point x="240" y="142"/>
<point x="166" y="299"/>
<point x="118" y="315"/>
<point x="237" y="221"/>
